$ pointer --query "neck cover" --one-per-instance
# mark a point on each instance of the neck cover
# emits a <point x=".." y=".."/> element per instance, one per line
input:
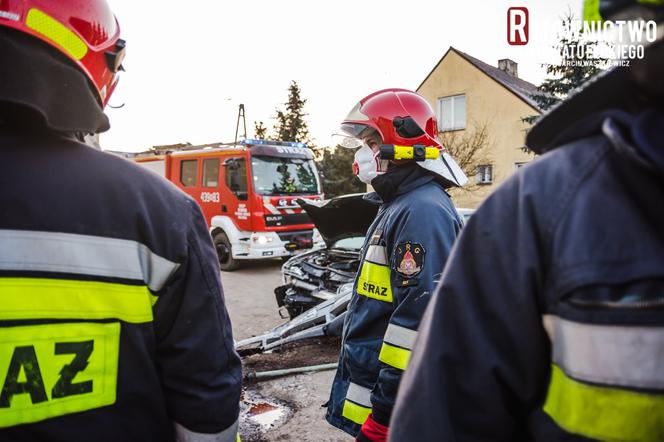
<point x="35" y="79"/>
<point x="400" y="179"/>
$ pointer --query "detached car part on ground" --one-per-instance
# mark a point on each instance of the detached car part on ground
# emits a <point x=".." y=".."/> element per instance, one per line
<point x="325" y="319"/>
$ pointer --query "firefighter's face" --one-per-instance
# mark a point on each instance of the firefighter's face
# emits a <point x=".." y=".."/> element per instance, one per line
<point x="373" y="141"/>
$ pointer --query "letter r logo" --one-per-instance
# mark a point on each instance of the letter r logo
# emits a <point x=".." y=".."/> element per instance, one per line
<point x="517" y="26"/>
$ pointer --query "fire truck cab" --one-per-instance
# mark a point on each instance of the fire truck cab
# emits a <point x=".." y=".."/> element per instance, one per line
<point x="247" y="192"/>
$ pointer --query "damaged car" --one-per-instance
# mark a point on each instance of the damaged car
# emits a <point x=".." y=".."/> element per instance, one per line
<point x="313" y="277"/>
<point x="318" y="284"/>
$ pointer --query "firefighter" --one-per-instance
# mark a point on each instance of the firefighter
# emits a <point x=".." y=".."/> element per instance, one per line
<point x="112" y="318"/>
<point x="548" y="323"/>
<point x="405" y="248"/>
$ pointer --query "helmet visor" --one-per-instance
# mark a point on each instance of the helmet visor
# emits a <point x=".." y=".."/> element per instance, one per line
<point x="352" y="135"/>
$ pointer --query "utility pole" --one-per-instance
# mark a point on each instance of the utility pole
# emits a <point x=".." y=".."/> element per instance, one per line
<point x="240" y="115"/>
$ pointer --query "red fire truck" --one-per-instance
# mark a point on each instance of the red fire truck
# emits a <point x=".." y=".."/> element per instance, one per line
<point x="247" y="192"/>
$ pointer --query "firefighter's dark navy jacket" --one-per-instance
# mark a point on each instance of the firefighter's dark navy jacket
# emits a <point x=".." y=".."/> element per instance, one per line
<point x="548" y="323"/>
<point x="112" y="319"/>
<point x="403" y="254"/>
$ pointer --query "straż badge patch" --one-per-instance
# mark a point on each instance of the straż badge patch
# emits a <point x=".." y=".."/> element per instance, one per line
<point x="409" y="259"/>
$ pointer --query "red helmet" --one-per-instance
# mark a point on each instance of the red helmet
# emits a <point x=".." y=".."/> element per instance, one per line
<point x="400" y="116"/>
<point x="404" y="118"/>
<point x="86" y="31"/>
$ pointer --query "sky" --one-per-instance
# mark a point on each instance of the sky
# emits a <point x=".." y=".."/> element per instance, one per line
<point x="190" y="64"/>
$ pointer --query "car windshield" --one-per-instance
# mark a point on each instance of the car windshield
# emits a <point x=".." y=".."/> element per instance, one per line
<point x="283" y="176"/>
<point x="354" y="243"/>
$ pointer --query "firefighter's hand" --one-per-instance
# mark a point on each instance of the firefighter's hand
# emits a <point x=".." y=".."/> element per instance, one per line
<point x="372" y="431"/>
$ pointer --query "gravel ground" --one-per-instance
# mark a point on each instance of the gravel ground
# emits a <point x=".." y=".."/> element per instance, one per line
<point x="297" y="399"/>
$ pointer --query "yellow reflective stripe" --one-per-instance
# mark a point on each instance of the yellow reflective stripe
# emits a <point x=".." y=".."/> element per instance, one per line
<point x="604" y="413"/>
<point x="38" y="375"/>
<point x="355" y="413"/>
<point x="57" y="32"/>
<point x="394" y="356"/>
<point x="374" y="282"/>
<point x="40" y="298"/>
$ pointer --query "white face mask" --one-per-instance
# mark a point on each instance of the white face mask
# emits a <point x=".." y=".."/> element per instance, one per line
<point x="367" y="164"/>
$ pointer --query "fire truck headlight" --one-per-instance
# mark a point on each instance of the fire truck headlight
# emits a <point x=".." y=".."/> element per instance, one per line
<point x="262" y="239"/>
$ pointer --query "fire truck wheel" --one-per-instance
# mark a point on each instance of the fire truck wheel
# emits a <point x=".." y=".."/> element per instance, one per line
<point x="223" y="246"/>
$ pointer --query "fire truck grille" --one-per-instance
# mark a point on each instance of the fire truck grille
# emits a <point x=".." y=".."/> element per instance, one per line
<point x="290" y="219"/>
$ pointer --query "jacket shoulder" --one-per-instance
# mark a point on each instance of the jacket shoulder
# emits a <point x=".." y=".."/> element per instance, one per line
<point x="428" y="205"/>
<point x="140" y="185"/>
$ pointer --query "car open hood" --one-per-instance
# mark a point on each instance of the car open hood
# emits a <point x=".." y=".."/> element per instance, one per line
<point x="341" y="217"/>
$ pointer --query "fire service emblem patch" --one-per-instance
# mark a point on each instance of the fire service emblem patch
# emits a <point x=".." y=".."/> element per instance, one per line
<point x="408" y="259"/>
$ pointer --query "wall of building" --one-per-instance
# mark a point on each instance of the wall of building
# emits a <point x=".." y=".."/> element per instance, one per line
<point x="487" y="103"/>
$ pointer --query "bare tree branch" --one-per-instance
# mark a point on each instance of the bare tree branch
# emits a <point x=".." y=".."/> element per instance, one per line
<point x="470" y="148"/>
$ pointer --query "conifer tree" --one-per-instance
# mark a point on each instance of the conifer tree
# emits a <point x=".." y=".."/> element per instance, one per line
<point x="291" y="125"/>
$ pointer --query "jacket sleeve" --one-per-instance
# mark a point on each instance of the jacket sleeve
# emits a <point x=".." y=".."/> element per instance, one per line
<point x="480" y="362"/>
<point x="428" y="233"/>
<point x="201" y="372"/>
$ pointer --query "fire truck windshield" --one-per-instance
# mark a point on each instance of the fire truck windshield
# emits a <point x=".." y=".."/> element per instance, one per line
<point x="284" y="176"/>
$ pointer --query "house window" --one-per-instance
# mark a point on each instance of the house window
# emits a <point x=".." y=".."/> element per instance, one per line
<point x="484" y="174"/>
<point x="452" y="112"/>
<point x="518" y="166"/>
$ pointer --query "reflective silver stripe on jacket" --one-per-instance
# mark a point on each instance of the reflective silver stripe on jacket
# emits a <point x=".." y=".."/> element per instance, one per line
<point x="182" y="434"/>
<point x="24" y="250"/>
<point x="377" y="255"/>
<point x="400" y="336"/>
<point x="359" y="394"/>
<point x="628" y="356"/>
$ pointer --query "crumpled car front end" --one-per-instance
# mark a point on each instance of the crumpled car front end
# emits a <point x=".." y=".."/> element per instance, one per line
<point x="316" y="276"/>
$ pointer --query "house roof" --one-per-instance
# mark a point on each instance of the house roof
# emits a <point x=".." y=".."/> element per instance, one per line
<point x="519" y="87"/>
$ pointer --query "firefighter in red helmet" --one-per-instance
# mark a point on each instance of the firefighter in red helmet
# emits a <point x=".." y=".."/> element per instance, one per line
<point x="112" y="318"/>
<point x="394" y="131"/>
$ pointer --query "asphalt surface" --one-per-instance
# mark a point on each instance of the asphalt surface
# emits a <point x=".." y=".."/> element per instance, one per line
<point x="253" y="310"/>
